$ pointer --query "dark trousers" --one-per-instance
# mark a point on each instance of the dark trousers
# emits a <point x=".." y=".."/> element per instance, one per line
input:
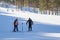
<point x="30" y="28"/>
<point x="15" y="28"/>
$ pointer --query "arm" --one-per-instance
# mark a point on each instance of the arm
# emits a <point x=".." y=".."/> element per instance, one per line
<point x="27" y="22"/>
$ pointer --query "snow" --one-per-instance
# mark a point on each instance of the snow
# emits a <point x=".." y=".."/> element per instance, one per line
<point x="51" y="19"/>
<point x="45" y="27"/>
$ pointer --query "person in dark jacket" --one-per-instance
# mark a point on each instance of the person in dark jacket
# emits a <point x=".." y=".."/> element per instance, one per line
<point x="30" y="22"/>
<point x="15" y="25"/>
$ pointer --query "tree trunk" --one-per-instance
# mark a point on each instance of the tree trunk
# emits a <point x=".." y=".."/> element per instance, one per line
<point x="49" y="12"/>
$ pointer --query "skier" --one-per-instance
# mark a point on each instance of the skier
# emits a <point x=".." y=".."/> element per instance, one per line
<point x="15" y="25"/>
<point x="30" y="22"/>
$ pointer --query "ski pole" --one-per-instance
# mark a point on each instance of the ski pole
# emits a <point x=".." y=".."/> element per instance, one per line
<point x="22" y="26"/>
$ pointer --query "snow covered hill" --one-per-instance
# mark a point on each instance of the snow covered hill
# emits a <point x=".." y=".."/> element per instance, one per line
<point x="49" y="19"/>
<point x="45" y="27"/>
<point x="40" y="31"/>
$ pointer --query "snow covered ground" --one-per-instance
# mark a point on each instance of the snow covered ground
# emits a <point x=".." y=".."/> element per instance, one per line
<point x="45" y="27"/>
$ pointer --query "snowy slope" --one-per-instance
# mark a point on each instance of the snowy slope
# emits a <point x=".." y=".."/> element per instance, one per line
<point x="40" y="31"/>
<point x="45" y="27"/>
<point x="51" y="19"/>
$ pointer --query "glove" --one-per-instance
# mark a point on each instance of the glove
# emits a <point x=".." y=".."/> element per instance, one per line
<point x="26" y="23"/>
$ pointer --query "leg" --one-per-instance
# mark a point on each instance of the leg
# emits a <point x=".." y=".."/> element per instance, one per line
<point x="30" y="28"/>
<point x="14" y="29"/>
<point x="17" y="28"/>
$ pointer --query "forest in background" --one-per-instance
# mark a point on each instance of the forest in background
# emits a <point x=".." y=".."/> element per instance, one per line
<point x="43" y="5"/>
